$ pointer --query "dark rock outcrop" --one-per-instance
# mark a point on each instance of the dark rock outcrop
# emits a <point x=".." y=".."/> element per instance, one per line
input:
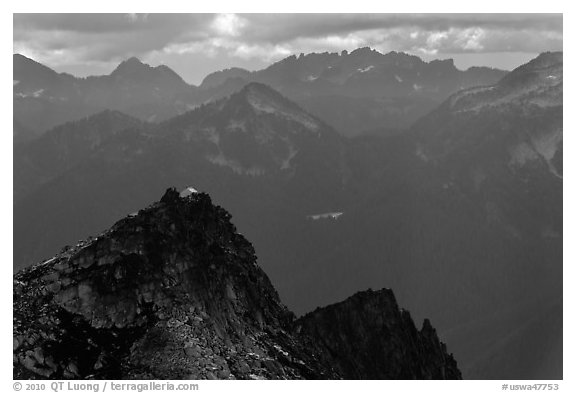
<point x="368" y="336"/>
<point x="175" y="292"/>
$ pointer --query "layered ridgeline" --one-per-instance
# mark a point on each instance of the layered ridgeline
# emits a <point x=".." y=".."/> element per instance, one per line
<point x="355" y="92"/>
<point x="175" y="292"/>
<point x="461" y="215"/>
<point x="520" y="118"/>
<point x="361" y="91"/>
<point x="254" y="151"/>
<point x="44" y="98"/>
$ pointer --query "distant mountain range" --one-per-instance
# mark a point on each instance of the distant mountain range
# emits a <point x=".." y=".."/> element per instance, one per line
<point x="44" y="99"/>
<point x="356" y="93"/>
<point x="461" y="214"/>
<point x="361" y="91"/>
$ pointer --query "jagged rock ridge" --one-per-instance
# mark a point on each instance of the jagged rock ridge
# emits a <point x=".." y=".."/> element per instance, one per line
<point x="353" y="92"/>
<point x="363" y="91"/>
<point x="175" y="292"/>
<point x="345" y="331"/>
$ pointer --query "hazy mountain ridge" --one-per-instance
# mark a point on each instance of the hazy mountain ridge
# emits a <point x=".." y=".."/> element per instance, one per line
<point x="538" y="83"/>
<point x="44" y="99"/>
<point x="254" y="131"/>
<point x="348" y="70"/>
<point x="522" y="114"/>
<point x="285" y="155"/>
<point x="397" y="87"/>
<point x="501" y="146"/>
<point x="338" y="88"/>
<point x="66" y="146"/>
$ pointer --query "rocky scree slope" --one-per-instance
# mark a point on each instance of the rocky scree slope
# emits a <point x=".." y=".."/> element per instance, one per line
<point x="175" y="292"/>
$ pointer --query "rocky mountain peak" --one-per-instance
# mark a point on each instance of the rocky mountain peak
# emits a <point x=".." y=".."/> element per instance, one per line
<point x="537" y="83"/>
<point x="340" y="329"/>
<point x="274" y="113"/>
<point x="545" y="59"/>
<point x="173" y="291"/>
<point x="18" y="59"/>
<point x="130" y="65"/>
<point x="133" y="68"/>
<point x="163" y="69"/>
<point x="362" y="51"/>
<point x="445" y="65"/>
<point x="544" y="70"/>
<point x="175" y="262"/>
<point x="257" y="92"/>
<point x="21" y="62"/>
<point x="32" y="77"/>
<point x="219" y="77"/>
<point x="519" y="117"/>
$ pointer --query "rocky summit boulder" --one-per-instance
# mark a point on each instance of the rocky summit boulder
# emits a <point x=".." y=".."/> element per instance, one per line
<point x="174" y="292"/>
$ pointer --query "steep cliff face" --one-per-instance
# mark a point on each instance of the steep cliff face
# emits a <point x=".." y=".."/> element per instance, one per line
<point x="368" y="336"/>
<point x="175" y="292"/>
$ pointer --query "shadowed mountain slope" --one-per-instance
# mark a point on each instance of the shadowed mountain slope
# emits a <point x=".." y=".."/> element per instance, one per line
<point x="175" y="292"/>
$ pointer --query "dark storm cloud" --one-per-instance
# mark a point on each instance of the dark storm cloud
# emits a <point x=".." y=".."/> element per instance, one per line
<point x="101" y="40"/>
<point x="427" y="33"/>
<point x="105" y="36"/>
<point x="113" y="23"/>
<point x="290" y="26"/>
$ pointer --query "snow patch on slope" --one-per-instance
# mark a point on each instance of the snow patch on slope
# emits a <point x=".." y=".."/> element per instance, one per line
<point x="35" y="94"/>
<point x="366" y="69"/>
<point x="421" y="155"/>
<point x="270" y="107"/>
<point x="236" y="125"/>
<point x="547" y="145"/>
<point x="539" y="147"/>
<point x="292" y="151"/>
<point x="521" y="154"/>
<point x="221" y="160"/>
<point x="547" y="92"/>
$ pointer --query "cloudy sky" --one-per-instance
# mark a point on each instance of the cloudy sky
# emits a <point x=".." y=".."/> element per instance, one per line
<point x="197" y="44"/>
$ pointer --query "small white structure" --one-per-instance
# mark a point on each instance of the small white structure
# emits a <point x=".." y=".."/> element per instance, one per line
<point x="187" y="192"/>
